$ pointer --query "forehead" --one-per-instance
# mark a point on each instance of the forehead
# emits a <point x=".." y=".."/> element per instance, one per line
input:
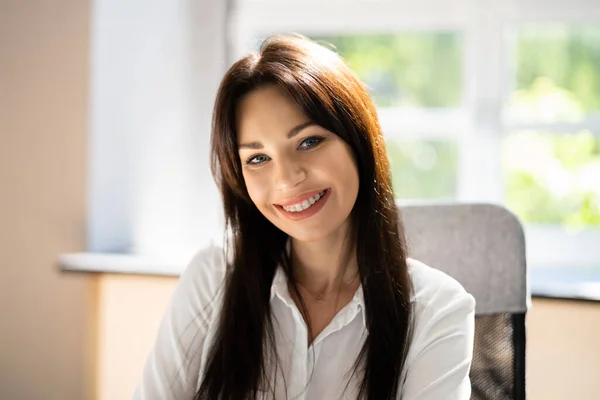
<point x="269" y="109"/>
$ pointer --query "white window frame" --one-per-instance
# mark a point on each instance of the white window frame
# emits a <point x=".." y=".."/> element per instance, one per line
<point x="479" y="123"/>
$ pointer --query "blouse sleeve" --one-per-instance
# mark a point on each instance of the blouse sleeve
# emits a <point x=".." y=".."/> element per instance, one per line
<point x="442" y="348"/>
<point x="172" y="369"/>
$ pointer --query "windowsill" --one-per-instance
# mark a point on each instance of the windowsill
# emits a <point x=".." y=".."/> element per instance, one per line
<point x="119" y="264"/>
<point x="571" y="283"/>
<point x="552" y="283"/>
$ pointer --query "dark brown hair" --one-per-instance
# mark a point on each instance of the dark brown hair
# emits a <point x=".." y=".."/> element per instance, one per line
<point x="329" y="94"/>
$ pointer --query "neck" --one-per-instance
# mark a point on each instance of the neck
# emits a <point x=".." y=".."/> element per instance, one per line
<point x="325" y="265"/>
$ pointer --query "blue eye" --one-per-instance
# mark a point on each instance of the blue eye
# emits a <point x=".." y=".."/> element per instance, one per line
<point x="310" y="142"/>
<point x="257" y="160"/>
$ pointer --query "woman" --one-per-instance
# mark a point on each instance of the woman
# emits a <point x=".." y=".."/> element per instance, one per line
<point x="318" y="298"/>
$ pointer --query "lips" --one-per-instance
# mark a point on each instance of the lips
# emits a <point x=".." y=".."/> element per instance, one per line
<point x="300" y="198"/>
<point x="297" y="209"/>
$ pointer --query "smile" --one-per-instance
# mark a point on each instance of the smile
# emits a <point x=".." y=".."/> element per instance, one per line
<point x="304" y="204"/>
<point x="298" y="209"/>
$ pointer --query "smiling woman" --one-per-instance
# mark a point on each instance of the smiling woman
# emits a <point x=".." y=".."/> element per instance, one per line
<point x="314" y="296"/>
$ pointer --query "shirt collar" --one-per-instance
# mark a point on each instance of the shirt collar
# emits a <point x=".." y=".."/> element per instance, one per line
<point x="279" y="289"/>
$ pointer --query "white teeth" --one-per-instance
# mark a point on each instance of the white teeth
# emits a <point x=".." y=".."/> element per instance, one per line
<point x="305" y="204"/>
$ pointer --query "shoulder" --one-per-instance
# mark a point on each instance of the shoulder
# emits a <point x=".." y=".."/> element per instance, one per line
<point x="441" y="345"/>
<point x="208" y="262"/>
<point x="439" y="302"/>
<point x="441" y="308"/>
<point x="172" y="370"/>
<point x="432" y="287"/>
<point x="203" y="278"/>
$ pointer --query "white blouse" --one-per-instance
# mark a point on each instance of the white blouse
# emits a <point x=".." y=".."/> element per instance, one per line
<point x="437" y="365"/>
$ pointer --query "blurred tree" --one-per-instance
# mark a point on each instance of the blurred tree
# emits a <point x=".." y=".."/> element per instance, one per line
<point x="554" y="178"/>
<point x="558" y="79"/>
<point x="423" y="169"/>
<point x="408" y="70"/>
<point x="569" y="56"/>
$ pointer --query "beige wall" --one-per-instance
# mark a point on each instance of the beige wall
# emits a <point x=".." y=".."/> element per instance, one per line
<point x="563" y="350"/>
<point x="46" y="318"/>
<point x="130" y="309"/>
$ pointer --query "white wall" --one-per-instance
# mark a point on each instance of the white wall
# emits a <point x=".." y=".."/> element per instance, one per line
<point x="156" y="66"/>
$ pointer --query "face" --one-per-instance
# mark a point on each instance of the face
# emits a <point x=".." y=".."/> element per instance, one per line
<point x="301" y="177"/>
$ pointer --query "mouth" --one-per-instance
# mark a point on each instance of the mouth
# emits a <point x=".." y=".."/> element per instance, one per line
<point x="306" y="208"/>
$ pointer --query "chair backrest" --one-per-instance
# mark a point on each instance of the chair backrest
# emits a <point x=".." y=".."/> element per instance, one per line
<point x="483" y="247"/>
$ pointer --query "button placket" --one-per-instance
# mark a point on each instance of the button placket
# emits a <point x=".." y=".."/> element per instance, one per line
<point x="299" y="359"/>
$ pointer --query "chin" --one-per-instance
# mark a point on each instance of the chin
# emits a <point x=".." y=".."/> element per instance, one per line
<point x="306" y="236"/>
<point x="313" y="233"/>
<point x="314" y="229"/>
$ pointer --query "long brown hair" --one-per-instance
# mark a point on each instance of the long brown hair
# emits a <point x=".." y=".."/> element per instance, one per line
<point x="331" y="95"/>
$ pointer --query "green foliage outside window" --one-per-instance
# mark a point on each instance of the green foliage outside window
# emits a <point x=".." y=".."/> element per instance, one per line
<point x="555" y="178"/>
<point x="407" y="70"/>
<point x="549" y="178"/>
<point x="424" y="169"/>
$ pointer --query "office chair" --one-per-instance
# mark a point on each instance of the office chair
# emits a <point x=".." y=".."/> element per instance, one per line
<point x="483" y="247"/>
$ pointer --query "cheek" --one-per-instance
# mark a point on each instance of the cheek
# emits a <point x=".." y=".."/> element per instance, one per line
<point x="350" y="178"/>
<point x="345" y="170"/>
<point x="257" y="189"/>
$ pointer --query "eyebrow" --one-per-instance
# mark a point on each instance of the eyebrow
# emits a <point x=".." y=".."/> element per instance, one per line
<point x="293" y="132"/>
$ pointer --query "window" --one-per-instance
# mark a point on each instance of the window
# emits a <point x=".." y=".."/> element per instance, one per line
<point x="404" y="69"/>
<point x="424" y="169"/>
<point x="551" y="146"/>
<point x="489" y="101"/>
<point x="552" y="172"/>
<point x="556" y="71"/>
<point x="554" y="178"/>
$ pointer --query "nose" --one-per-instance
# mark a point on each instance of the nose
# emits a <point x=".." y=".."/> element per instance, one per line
<point x="289" y="174"/>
